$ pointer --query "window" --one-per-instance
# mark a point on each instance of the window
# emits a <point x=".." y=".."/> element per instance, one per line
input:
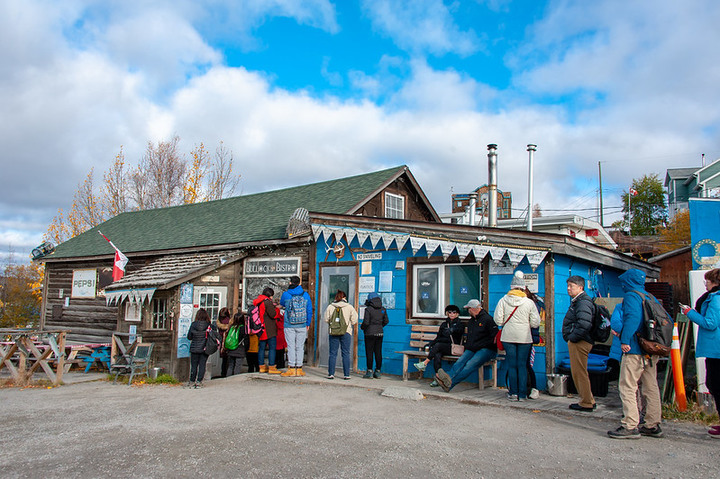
<point x="438" y="285"/>
<point x="159" y="314"/>
<point x="211" y="303"/>
<point x="394" y="206"/>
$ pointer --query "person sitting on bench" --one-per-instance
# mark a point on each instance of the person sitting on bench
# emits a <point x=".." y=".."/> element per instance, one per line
<point x="480" y="347"/>
<point x="451" y="330"/>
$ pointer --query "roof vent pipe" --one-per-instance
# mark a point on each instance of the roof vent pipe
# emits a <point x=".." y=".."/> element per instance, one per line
<point x="492" y="183"/>
<point x="531" y="149"/>
<point x="473" y="207"/>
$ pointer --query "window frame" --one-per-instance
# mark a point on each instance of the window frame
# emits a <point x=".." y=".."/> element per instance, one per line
<point x="152" y="314"/>
<point x="392" y="209"/>
<point x="442" y="293"/>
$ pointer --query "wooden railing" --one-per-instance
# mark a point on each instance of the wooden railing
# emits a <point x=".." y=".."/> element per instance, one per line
<point x="25" y="351"/>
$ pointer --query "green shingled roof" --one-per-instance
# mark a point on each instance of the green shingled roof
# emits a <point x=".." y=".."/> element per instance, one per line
<point x="258" y="217"/>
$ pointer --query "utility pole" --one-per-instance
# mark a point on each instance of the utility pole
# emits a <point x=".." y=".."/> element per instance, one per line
<point x="601" y="193"/>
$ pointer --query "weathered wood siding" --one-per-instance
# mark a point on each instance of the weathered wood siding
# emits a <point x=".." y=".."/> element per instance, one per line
<point x="414" y="208"/>
<point x="88" y="319"/>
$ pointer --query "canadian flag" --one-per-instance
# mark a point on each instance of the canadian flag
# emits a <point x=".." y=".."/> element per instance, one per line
<point x="633" y="191"/>
<point x="120" y="261"/>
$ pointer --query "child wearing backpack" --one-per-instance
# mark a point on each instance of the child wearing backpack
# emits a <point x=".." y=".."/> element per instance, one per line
<point x="234" y="344"/>
<point x="341" y="317"/>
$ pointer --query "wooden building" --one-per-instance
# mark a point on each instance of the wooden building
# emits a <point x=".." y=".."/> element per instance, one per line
<point x="372" y="232"/>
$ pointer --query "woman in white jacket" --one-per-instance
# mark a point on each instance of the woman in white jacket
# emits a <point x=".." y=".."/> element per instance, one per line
<point x="337" y="312"/>
<point x="515" y="313"/>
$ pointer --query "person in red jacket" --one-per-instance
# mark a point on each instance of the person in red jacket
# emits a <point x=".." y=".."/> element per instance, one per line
<point x="268" y="339"/>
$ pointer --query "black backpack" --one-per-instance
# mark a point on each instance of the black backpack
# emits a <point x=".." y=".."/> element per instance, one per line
<point x="601" y="329"/>
<point x="212" y="340"/>
<point x="656" y="335"/>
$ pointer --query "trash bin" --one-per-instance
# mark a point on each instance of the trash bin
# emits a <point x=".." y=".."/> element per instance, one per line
<point x="155" y="372"/>
<point x="557" y="384"/>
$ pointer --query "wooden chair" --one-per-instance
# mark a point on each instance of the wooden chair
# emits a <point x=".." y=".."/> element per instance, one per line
<point x="136" y="363"/>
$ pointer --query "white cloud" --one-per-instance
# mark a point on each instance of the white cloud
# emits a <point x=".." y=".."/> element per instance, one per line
<point x="421" y="26"/>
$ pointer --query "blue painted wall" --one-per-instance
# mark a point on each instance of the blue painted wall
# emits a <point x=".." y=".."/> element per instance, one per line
<point x="603" y="281"/>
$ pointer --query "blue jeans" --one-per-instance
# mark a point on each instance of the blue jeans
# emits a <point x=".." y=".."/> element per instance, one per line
<point x="344" y="341"/>
<point x="469" y="363"/>
<point x="271" y="343"/>
<point x="516" y="356"/>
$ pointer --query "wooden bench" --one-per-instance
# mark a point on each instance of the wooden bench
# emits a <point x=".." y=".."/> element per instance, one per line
<point x="420" y="336"/>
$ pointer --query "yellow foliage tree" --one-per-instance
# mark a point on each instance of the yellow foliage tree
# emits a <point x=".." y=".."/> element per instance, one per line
<point x="677" y="233"/>
<point x="20" y="295"/>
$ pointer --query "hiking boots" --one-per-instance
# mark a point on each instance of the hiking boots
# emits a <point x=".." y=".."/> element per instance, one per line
<point x="367" y="375"/>
<point x="651" y="431"/>
<point x="377" y="374"/>
<point x="443" y="379"/>
<point x="263" y="369"/>
<point x="273" y="370"/>
<point x="623" y="433"/>
<point x="299" y="372"/>
<point x="289" y="372"/>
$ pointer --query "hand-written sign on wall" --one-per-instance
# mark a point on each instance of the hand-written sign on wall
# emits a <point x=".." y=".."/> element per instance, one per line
<point x="84" y="283"/>
<point x="287" y="266"/>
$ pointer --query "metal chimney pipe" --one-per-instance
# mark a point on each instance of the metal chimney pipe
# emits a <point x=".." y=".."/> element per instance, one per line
<point x="530" y="148"/>
<point x="492" y="184"/>
<point x="473" y="207"/>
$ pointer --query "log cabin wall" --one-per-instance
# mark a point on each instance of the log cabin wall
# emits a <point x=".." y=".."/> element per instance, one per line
<point x="88" y="319"/>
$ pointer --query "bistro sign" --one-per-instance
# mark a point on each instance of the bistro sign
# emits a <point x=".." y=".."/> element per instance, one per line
<point x="277" y="266"/>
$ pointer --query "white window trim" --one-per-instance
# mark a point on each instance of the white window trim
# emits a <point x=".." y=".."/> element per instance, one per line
<point x="441" y="267"/>
<point x="402" y="210"/>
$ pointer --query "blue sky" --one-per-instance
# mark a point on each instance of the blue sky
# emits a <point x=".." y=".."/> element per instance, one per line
<point x="322" y="89"/>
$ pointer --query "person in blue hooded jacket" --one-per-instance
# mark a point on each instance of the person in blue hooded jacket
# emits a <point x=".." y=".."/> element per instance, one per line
<point x="707" y="316"/>
<point x="298" y="316"/>
<point x="636" y="367"/>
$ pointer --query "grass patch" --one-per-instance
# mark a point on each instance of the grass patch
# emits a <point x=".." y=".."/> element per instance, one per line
<point x="693" y="414"/>
<point x="162" y="379"/>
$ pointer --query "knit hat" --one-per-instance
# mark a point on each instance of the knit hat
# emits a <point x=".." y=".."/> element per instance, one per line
<point x="518" y="281"/>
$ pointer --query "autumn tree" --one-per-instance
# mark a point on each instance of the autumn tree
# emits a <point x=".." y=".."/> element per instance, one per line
<point x="644" y="206"/>
<point x="677" y="232"/>
<point x="115" y="187"/>
<point x="20" y="295"/>
<point x="162" y="178"/>
<point x="161" y="173"/>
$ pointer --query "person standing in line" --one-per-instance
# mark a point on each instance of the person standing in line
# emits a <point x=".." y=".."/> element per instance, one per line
<point x="374" y="321"/>
<point x="280" y="344"/>
<point x="197" y="334"/>
<point x="480" y="347"/>
<point x="576" y="329"/>
<point x="296" y="323"/>
<point x="344" y="340"/>
<point x="451" y="331"/>
<point x="235" y="355"/>
<point x="268" y="338"/>
<point x="223" y="325"/>
<point x="636" y="367"/>
<point x="515" y="313"/>
<point x="707" y="316"/>
<point x="251" y="353"/>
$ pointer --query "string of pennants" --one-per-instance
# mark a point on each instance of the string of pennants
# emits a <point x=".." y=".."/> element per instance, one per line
<point x="139" y="295"/>
<point x="399" y="240"/>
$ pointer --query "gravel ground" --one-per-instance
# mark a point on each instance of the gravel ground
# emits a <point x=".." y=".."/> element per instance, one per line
<point x="249" y="427"/>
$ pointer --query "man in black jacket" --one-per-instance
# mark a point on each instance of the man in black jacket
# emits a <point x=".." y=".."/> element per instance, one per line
<point x="479" y="347"/>
<point x="576" y="331"/>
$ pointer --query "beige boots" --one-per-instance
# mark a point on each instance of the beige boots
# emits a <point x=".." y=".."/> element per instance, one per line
<point x="289" y="372"/>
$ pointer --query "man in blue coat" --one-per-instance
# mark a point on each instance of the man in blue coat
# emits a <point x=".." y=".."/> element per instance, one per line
<point x="298" y="315"/>
<point x="636" y="367"/>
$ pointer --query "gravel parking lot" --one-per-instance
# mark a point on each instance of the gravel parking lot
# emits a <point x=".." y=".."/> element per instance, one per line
<point x="250" y="427"/>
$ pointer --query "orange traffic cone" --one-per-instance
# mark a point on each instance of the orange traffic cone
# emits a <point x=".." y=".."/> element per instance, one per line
<point x="678" y="380"/>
